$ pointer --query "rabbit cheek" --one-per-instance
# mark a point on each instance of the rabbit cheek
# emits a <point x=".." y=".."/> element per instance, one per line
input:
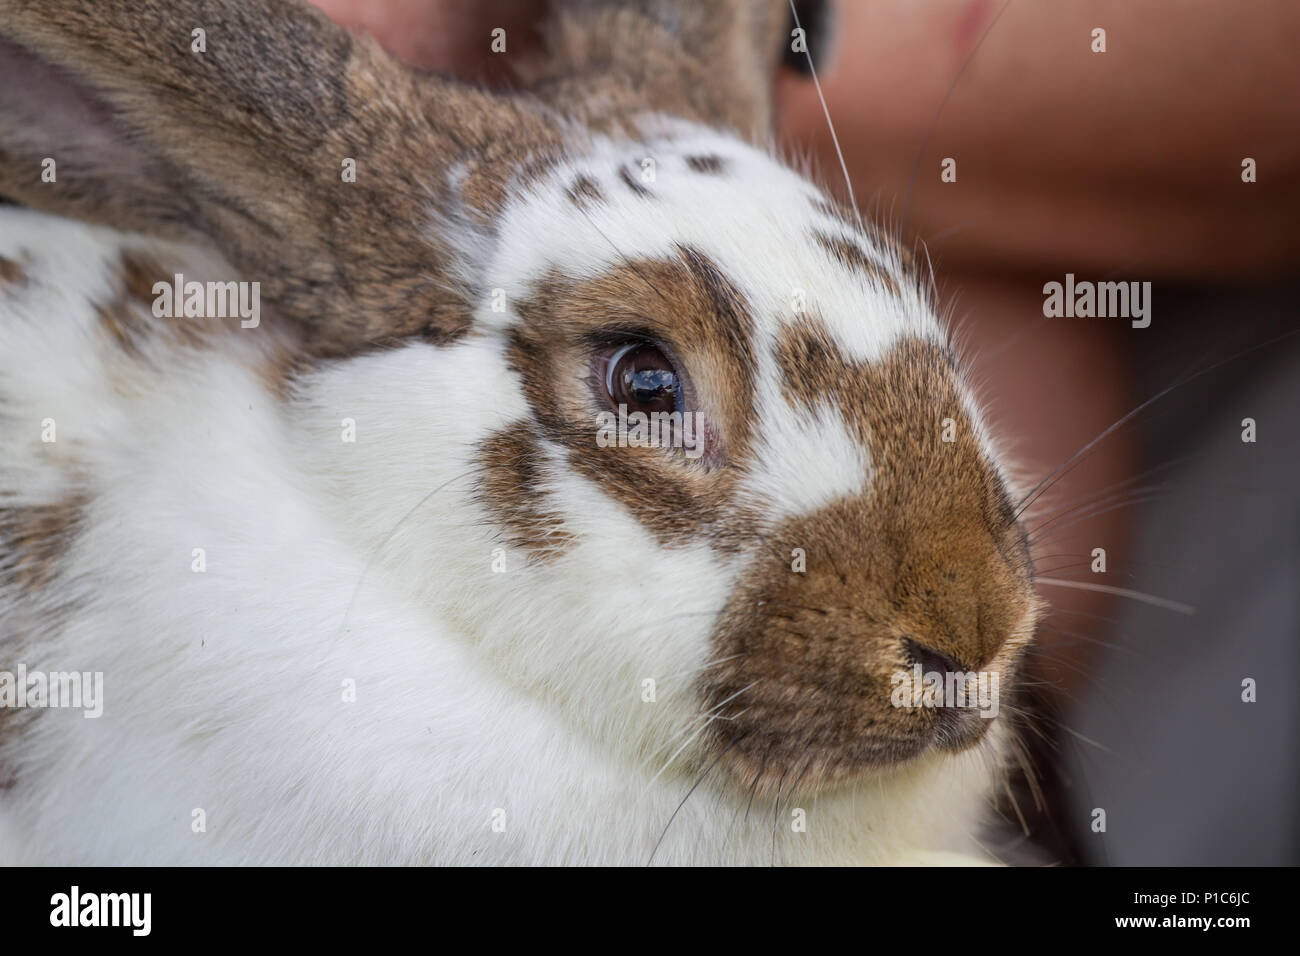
<point x="926" y="567"/>
<point x="512" y="463"/>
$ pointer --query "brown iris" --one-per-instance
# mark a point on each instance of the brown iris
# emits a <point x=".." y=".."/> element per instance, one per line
<point x="641" y="377"/>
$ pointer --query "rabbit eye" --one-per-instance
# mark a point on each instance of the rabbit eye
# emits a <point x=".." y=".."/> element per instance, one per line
<point x="641" y="377"/>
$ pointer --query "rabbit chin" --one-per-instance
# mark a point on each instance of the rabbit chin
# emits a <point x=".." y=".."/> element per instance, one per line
<point x="319" y="644"/>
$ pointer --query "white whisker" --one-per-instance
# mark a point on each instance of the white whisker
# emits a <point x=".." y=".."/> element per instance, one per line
<point x="700" y="731"/>
<point x="848" y="183"/>
<point x="1145" y="598"/>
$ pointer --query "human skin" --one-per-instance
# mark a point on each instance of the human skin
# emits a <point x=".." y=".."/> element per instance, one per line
<point x="1117" y="165"/>
<point x="1128" y="159"/>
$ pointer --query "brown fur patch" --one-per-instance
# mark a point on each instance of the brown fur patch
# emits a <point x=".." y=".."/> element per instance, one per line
<point x="706" y="164"/>
<point x="11" y="272"/>
<point x="537" y="168"/>
<point x="845" y="216"/>
<point x="494" y="171"/>
<point x="35" y="538"/>
<point x="127" y="319"/>
<point x="129" y="324"/>
<point x="121" y="321"/>
<point x="851" y="255"/>
<point x="139" y="275"/>
<point x="632" y="183"/>
<point x="708" y="62"/>
<point x="688" y="306"/>
<point x="584" y="192"/>
<point x="33" y="542"/>
<point x="512" y="478"/>
<point x="929" y="556"/>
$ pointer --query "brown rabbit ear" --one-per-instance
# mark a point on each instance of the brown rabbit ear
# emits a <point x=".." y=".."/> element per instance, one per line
<point x="311" y="159"/>
<point x="713" y="62"/>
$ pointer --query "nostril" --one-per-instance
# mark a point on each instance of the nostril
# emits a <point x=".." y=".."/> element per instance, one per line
<point x="931" y="661"/>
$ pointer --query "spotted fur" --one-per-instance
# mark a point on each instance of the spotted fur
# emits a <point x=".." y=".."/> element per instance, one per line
<point x="363" y="583"/>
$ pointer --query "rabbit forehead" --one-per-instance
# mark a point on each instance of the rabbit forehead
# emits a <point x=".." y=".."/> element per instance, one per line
<point x="780" y="241"/>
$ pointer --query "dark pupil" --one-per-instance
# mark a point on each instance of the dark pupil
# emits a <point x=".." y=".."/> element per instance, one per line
<point x="644" y="380"/>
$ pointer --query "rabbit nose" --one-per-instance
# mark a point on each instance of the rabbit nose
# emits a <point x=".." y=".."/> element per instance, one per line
<point x="931" y="661"/>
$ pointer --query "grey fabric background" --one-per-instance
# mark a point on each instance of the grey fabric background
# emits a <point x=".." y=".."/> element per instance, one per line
<point x="1186" y="772"/>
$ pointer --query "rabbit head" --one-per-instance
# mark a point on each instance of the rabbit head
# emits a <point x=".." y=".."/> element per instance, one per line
<point x="671" y="441"/>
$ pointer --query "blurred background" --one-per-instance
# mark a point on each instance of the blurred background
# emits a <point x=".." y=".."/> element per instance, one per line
<point x="1112" y="156"/>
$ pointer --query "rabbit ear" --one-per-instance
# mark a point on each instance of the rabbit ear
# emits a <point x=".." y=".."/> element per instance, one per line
<point x="311" y="159"/>
<point x="712" y="62"/>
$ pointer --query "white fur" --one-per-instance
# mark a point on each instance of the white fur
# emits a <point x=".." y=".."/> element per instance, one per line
<point x="476" y="691"/>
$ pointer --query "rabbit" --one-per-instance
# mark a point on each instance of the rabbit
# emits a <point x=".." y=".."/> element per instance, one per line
<point x="362" y="572"/>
